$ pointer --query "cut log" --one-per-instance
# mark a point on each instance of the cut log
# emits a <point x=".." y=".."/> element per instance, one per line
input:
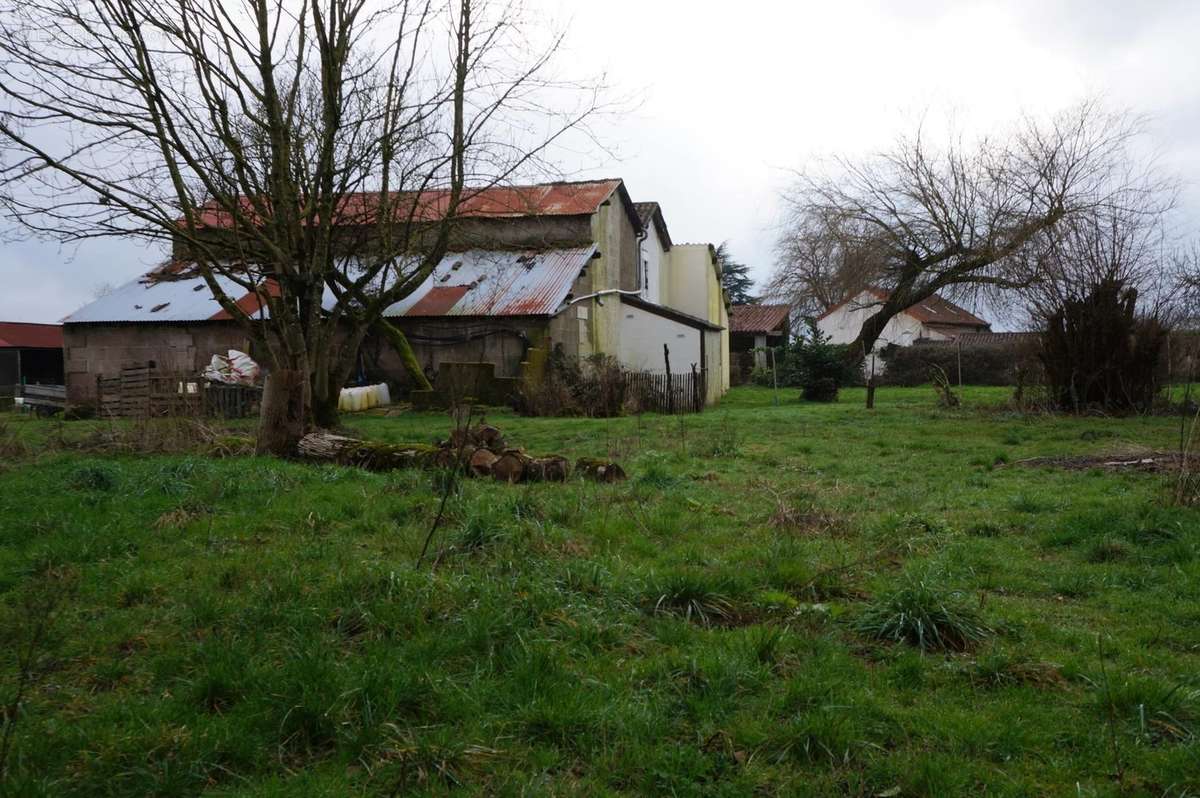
<point x="511" y="466"/>
<point x="484" y="436"/>
<point x="488" y="437"/>
<point x="481" y="462"/>
<point x="554" y="468"/>
<point x="599" y="470"/>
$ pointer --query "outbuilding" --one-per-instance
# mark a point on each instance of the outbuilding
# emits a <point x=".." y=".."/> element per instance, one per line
<point x="30" y="354"/>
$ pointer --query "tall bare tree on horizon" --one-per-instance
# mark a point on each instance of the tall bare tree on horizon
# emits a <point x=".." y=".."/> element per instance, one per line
<point x="968" y="217"/>
<point x="314" y="152"/>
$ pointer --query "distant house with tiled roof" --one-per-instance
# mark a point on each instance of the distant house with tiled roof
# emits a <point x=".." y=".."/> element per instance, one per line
<point x="934" y="319"/>
<point x="753" y="328"/>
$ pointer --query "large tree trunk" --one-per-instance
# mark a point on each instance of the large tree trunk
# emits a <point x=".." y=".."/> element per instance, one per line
<point x="284" y="415"/>
<point x="334" y="364"/>
<point x="325" y="406"/>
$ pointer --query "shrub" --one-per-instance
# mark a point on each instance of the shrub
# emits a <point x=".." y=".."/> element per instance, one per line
<point x="762" y="377"/>
<point x="1099" y="354"/>
<point x="597" y="387"/>
<point x="822" y="366"/>
<point x="924" y="616"/>
<point x="824" y="389"/>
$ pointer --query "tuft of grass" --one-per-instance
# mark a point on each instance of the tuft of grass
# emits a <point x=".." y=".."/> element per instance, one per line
<point x="725" y="441"/>
<point x="428" y="759"/>
<point x="1075" y="584"/>
<point x="653" y="472"/>
<point x="1108" y="550"/>
<point x="999" y="668"/>
<point x="923" y="615"/>
<point x="479" y="530"/>
<point x="691" y="594"/>
<point x="94" y="475"/>
<point x="1153" y="710"/>
<point x="985" y="529"/>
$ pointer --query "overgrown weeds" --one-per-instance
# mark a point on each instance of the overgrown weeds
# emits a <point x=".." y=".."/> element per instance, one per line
<point x="12" y="446"/>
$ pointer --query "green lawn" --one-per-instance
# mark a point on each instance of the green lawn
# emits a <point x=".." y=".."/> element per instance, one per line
<point x="247" y="626"/>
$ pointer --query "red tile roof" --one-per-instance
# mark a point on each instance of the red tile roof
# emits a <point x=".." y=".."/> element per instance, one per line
<point x="544" y="199"/>
<point x="25" y="335"/>
<point x="758" y="318"/>
<point x="934" y="310"/>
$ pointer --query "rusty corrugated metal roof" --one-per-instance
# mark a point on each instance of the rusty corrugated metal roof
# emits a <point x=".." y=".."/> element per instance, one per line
<point x="496" y="283"/>
<point x="542" y="199"/>
<point x="758" y="318"/>
<point x="27" y="335"/>
<point x="474" y="283"/>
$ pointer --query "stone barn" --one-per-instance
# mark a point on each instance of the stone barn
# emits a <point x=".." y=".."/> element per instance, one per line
<point x="552" y="267"/>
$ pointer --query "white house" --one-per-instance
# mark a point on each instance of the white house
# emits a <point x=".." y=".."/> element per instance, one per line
<point x="679" y="295"/>
<point x="934" y="319"/>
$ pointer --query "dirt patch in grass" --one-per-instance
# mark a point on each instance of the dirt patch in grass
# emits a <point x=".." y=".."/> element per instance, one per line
<point x="1149" y="462"/>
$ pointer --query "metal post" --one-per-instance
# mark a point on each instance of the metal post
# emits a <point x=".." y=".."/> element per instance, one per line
<point x="670" y="392"/>
<point x="775" y="374"/>
<point x="959" y="342"/>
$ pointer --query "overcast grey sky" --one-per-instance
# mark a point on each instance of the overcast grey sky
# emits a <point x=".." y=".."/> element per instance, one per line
<point x="733" y="95"/>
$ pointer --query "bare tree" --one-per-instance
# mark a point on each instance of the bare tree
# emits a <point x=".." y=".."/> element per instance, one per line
<point x="314" y="152"/>
<point x="1125" y="245"/>
<point x="920" y="219"/>
<point x="1184" y="268"/>
<point x="819" y="263"/>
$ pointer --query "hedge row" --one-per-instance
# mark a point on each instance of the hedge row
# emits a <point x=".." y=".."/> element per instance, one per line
<point x="981" y="365"/>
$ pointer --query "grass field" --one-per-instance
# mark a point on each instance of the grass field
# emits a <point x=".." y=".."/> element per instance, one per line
<point x="247" y="626"/>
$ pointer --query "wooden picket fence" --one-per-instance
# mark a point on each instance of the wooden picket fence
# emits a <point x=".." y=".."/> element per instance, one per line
<point x="141" y="391"/>
<point x="667" y="393"/>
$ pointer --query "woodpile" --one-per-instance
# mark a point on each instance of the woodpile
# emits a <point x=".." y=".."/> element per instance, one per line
<point x="480" y="451"/>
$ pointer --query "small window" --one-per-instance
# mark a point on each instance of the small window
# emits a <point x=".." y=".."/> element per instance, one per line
<point x="157" y="308"/>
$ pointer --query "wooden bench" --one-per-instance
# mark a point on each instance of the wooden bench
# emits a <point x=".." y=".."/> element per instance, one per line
<point x="44" y="398"/>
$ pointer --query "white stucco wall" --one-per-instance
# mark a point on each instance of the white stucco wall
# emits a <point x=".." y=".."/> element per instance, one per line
<point x="843" y="325"/>
<point x="653" y="262"/>
<point x="690" y="277"/>
<point x="717" y="364"/>
<point x="643" y="335"/>
<point x="725" y="357"/>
